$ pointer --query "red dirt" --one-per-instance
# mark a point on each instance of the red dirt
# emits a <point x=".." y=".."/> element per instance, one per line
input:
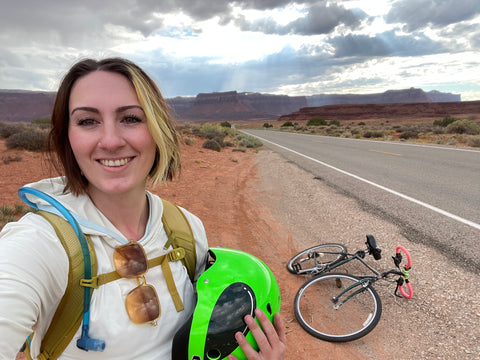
<point x="224" y="190"/>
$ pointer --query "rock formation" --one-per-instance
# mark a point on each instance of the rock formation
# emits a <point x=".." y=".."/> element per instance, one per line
<point x="385" y="111"/>
<point x="233" y="106"/>
<point x="18" y="105"/>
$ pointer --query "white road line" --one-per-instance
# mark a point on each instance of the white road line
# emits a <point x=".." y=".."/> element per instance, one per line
<point x="428" y="206"/>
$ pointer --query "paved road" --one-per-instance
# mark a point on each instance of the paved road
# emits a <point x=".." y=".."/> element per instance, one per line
<point x="432" y="192"/>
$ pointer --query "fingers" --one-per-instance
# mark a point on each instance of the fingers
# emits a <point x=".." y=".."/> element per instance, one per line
<point x="270" y="339"/>
<point x="280" y="328"/>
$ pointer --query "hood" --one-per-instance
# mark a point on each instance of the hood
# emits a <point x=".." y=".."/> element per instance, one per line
<point x="90" y="218"/>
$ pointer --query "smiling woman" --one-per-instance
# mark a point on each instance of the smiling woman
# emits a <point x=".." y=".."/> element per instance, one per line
<point x="111" y="134"/>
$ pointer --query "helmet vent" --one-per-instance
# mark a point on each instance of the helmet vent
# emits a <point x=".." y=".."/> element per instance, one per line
<point x="269" y="308"/>
<point x="213" y="354"/>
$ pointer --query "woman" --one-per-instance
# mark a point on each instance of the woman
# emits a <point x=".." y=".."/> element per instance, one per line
<point x="111" y="134"/>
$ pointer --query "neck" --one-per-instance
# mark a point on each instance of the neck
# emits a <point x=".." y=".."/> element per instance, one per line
<point x="128" y="213"/>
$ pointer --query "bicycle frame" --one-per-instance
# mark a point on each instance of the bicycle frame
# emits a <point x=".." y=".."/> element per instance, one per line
<point x="359" y="255"/>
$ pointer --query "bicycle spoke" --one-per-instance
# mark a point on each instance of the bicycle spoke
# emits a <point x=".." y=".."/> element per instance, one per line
<point x="327" y="309"/>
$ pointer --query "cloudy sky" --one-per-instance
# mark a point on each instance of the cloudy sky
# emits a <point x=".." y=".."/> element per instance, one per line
<point x="268" y="46"/>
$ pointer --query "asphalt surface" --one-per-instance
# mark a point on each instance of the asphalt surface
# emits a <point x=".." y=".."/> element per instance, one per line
<point x="431" y="192"/>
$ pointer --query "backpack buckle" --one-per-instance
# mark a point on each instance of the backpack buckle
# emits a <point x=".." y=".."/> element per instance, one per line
<point x="91" y="283"/>
<point x="176" y="254"/>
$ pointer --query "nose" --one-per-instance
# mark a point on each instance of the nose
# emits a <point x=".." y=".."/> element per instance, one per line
<point x="112" y="137"/>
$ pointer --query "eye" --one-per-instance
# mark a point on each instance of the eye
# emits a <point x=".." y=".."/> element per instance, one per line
<point x="132" y="119"/>
<point x="86" y="121"/>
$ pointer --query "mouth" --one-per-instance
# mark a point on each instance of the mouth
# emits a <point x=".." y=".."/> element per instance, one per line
<point x="115" y="163"/>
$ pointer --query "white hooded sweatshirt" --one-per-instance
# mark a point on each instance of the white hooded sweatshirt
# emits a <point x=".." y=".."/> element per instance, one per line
<point x="34" y="275"/>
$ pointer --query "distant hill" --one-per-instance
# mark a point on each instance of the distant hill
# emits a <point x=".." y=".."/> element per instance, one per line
<point x="411" y="95"/>
<point x="18" y="105"/>
<point x="396" y="111"/>
<point x="235" y="106"/>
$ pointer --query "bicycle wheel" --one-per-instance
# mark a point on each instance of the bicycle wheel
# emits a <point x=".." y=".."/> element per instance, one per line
<point x="323" y="307"/>
<point x="315" y="259"/>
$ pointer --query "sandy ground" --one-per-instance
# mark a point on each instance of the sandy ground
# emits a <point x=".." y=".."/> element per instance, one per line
<point x="260" y="203"/>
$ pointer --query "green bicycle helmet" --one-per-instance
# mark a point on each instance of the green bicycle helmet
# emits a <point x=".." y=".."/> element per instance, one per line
<point x="234" y="284"/>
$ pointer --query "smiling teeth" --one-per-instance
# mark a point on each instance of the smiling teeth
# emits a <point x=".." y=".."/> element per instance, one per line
<point x="114" y="163"/>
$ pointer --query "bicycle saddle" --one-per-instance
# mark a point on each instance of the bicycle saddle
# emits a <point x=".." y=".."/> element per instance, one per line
<point x="373" y="247"/>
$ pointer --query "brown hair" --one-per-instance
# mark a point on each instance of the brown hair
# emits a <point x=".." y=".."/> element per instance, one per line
<point x="159" y="119"/>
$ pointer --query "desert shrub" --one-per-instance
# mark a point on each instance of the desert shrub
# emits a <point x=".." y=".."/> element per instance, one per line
<point x="409" y="134"/>
<point x="189" y="140"/>
<point x="316" y="121"/>
<point x="42" y="121"/>
<point x="220" y="140"/>
<point x="8" y="213"/>
<point x="6" y="210"/>
<point x="212" y="145"/>
<point x="438" y="130"/>
<point x="474" y="141"/>
<point x="31" y="140"/>
<point x="7" y="130"/>
<point x="249" y="141"/>
<point x="211" y="131"/>
<point x="185" y="129"/>
<point x="287" y="123"/>
<point x="373" y="134"/>
<point x="361" y="123"/>
<point x="463" y="127"/>
<point x="334" y="122"/>
<point x="447" y="120"/>
<point x="7" y="159"/>
<point x="226" y="124"/>
<point x="267" y="125"/>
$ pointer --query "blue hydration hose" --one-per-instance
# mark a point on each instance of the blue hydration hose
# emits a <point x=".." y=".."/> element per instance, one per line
<point x="84" y="343"/>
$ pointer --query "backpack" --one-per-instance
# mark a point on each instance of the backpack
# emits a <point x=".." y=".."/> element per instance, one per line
<point x="68" y="316"/>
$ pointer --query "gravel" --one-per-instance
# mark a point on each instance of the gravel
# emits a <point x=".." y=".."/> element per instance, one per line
<point x="442" y="319"/>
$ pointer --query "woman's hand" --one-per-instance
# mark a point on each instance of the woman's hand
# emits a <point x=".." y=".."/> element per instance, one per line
<point x="271" y="340"/>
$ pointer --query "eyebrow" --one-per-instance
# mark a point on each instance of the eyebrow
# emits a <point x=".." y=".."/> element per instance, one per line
<point x="96" y="111"/>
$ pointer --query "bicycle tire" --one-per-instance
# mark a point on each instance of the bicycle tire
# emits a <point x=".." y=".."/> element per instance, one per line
<point x="315" y="311"/>
<point x="328" y="254"/>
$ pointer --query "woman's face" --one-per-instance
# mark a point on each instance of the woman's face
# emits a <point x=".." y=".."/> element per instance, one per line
<point x="108" y="134"/>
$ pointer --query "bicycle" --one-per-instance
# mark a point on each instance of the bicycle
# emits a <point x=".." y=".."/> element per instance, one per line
<point x="340" y="307"/>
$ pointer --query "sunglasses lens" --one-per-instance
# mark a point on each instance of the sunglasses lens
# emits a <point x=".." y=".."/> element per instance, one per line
<point x="142" y="304"/>
<point x="130" y="260"/>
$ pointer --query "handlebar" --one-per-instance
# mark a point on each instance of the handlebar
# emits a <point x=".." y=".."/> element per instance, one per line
<point x="405" y="271"/>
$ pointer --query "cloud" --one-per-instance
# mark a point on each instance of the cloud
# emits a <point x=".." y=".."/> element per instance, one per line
<point x="319" y="19"/>
<point x="385" y="44"/>
<point x="193" y="46"/>
<point x="418" y="14"/>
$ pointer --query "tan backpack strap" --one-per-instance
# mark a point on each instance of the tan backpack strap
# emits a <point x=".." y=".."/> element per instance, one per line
<point x="172" y="288"/>
<point x="180" y="235"/>
<point x="68" y="317"/>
